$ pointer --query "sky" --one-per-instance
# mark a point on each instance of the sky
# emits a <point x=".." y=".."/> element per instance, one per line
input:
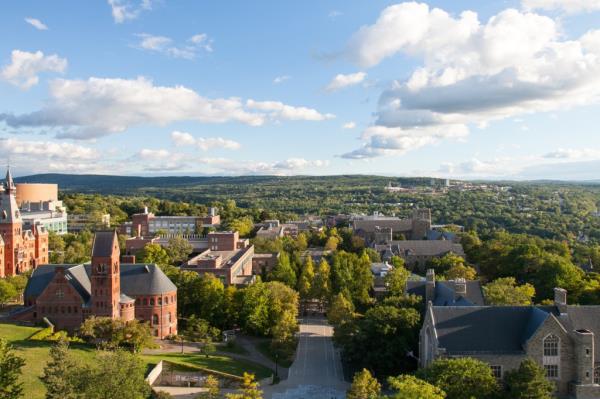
<point x="506" y="89"/>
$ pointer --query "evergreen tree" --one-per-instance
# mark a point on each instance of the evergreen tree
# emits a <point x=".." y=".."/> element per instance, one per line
<point x="364" y="386"/>
<point x="56" y="376"/>
<point x="528" y="382"/>
<point x="10" y="371"/>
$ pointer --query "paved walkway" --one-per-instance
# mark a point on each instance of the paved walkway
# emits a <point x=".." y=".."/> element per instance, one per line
<point x="317" y="369"/>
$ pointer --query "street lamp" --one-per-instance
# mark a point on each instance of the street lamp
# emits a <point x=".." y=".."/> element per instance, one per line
<point x="276" y="358"/>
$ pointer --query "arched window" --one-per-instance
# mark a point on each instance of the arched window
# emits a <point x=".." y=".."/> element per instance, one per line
<point x="551" y="358"/>
<point x="151" y="301"/>
<point x="169" y="317"/>
<point x="597" y="374"/>
<point x="155" y="319"/>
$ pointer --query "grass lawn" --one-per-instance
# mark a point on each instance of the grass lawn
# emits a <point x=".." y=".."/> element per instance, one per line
<point x="36" y="354"/>
<point x="232" y="347"/>
<point x="218" y="363"/>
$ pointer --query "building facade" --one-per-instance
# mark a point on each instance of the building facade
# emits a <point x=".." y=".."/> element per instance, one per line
<point x="147" y="224"/>
<point x="23" y="249"/>
<point x="68" y="294"/>
<point x="50" y="214"/>
<point x="563" y="339"/>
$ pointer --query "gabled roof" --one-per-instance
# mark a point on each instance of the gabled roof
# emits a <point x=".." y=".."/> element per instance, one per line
<point x="103" y="243"/>
<point x="444" y="293"/>
<point x="425" y="247"/>
<point x="487" y="329"/>
<point x="76" y="275"/>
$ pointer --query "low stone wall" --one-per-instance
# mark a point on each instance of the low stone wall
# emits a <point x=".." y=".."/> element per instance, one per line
<point x="155" y="373"/>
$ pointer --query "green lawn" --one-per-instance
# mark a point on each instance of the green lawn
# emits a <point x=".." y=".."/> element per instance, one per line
<point x="36" y="355"/>
<point x="283" y="359"/>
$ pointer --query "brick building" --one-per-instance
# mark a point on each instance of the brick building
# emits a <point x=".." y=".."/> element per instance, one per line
<point x="228" y="257"/>
<point x="21" y="249"/>
<point x="67" y="294"/>
<point x="560" y="338"/>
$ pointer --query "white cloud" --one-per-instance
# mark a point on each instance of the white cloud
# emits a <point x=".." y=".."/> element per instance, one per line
<point x="576" y="154"/>
<point x="149" y="154"/>
<point x="341" y="81"/>
<point x="123" y="10"/>
<point x="383" y="141"/>
<point x="279" y="110"/>
<point x="349" y="125"/>
<point x="281" y="79"/>
<point x="286" y="167"/>
<point x="568" y="6"/>
<point x="165" y="45"/>
<point x="473" y="73"/>
<point x="36" y="23"/>
<point x="334" y="14"/>
<point x="184" y="139"/>
<point x="25" y="66"/>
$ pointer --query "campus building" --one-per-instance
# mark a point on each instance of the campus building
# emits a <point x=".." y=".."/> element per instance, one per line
<point x="67" y="294"/>
<point x="561" y="338"/>
<point x="21" y="249"/>
<point x="147" y="224"/>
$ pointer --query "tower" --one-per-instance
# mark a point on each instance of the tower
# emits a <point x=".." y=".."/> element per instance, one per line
<point x="106" y="269"/>
<point x="11" y="226"/>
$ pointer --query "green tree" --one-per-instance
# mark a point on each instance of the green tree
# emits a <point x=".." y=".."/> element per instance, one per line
<point x="445" y="263"/>
<point x="283" y="271"/>
<point x="528" y="382"/>
<point x="364" y="386"/>
<point x="8" y="292"/>
<point x="411" y="387"/>
<point x="56" y="248"/>
<point x="117" y="374"/>
<point x="10" y="372"/>
<point x="250" y="389"/>
<point x="56" y="373"/>
<point x="461" y="378"/>
<point x="178" y="249"/>
<point x="505" y="291"/>
<point x="321" y="287"/>
<point x="136" y="334"/>
<point x="212" y="386"/>
<point x="461" y="271"/>
<point x="306" y="279"/>
<point x="243" y="225"/>
<point x="340" y="311"/>
<point x="153" y="253"/>
<point x="396" y="279"/>
<point x="198" y="330"/>
<point x="332" y="243"/>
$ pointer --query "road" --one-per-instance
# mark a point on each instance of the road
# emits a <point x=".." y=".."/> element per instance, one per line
<point x="317" y="369"/>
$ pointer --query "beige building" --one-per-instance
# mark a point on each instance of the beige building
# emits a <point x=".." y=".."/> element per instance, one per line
<point x="36" y="192"/>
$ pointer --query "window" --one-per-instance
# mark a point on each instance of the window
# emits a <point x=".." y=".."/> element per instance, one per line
<point x="151" y="301"/>
<point x="145" y="301"/>
<point x="551" y="358"/>
<point x="155" y="319"/>
<point x="60" y="294"/>
<point x="497" y="372"/>
<point x="551" y="345"/>
<point x="551" y="371"/>
<point x="597" y="374"/>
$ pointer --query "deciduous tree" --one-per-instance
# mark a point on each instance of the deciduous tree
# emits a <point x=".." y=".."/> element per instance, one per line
<point x="364" y="386"/>
<point x="410" y="387"/>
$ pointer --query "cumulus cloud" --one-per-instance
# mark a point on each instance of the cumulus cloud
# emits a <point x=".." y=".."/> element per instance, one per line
<point x="278" y="110"/>
<point x="571" y="153"/>
<point x="473" y="72"/>
<point x="36" y="23"/>
<point x="281" y="79"/>
<point x="124" y="10"/>
<point x="86" y="109"/>
<point x="184" y="139"/>
<point x="25" y="67"/>
<point x="165" y="45"/>
<point x="341" y="81"/>
<point x="568" y="6"/>
<point x="149" y="154"/>
<point x="381" y="140"/>
<point x="349" y="125"/>
<point x="286" y="167"/>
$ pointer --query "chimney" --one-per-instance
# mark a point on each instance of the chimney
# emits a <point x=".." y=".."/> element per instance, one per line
<point x="560" y="299"/>
<point x="430" y="285"/>
<point x="460" y="288"/>
<point x="145" y="210"/>
<point x="138" y="232"/>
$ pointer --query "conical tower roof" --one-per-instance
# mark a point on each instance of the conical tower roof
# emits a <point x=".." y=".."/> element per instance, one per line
<point x="9" y="211"/>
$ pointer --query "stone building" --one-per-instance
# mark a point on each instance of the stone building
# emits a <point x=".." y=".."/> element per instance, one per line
<point x="418" y="253"/>
<point x="458" y="292"/>
<point x="376" y="227"/>
<point x="561" y="338"/>
<point x="68" y="294"/>
<point x="21" y="249"/>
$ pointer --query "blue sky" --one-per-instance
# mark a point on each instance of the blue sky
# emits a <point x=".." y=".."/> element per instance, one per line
<point x="504" y="89"/>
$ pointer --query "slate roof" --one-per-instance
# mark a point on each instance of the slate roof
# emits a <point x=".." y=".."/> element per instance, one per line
<point x="136" y="279"/>
<point x="103" y="243"/>
<point x="422" y="247"/>
<point x="486" y="329"/>
<point x="444" y="293"/>
<point x="370" y="225"/>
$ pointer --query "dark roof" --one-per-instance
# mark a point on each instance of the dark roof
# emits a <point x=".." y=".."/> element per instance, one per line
<point x="584" y="318"/>
<point x="136" y="279"/>
<point x="444" y="293"/>
<point x="487" y="329"/>
<point x="103" y="243"/>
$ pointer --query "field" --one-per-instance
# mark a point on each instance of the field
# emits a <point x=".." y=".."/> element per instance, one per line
<point x="36" y="355"/>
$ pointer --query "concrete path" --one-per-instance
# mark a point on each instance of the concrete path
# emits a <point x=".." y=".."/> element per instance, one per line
<point x="317" y="369"/>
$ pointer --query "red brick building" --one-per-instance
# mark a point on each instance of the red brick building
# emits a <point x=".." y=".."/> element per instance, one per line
<point x="67" y="294"/>
<point x="20" y="250"/>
